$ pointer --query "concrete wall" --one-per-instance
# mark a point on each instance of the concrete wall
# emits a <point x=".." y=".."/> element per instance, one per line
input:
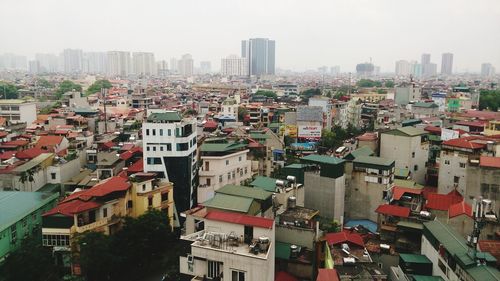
<point x="325" y="194"/>
<point x="295" y="235"/>
<point x="363" y="197"/>
<point x="449" y="168"/>
<point x="432" y="254"/>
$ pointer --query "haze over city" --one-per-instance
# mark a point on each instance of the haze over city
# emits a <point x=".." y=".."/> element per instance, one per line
<point x="308" y="35"/>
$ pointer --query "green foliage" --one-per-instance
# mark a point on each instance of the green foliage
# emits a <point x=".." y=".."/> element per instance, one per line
<point x="269" y="94"/>
<point x="381" y="91"/>
<point x="8" y="91"/>
<point x="144" y="245"/>
<point x="67" y="86"/>
<point x="97" y="86"/>
<point x="489" y="99"/>
<point x="31" y="262"/>
<point x="44" y="83"/>
<point x="368" y="83"/>
<point x="329" y="140"/>
<point x="191" y="112"/>
<point x="242" y="112"/>
<point x="311" y="92"/>
<point x="389" y="84"/>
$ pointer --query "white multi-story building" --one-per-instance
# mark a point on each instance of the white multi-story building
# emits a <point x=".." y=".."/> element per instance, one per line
<point x="95" y="62"/>
<point x="144" y="64"/>
<point x="73" y="60"/>
<point x="18" y="111"/>
<point x="221" y="164"/>
<point x="229" y="109"/>
<point x="185" y="65"/>
<point x="402" y="68"/>
<point x="119" y="63"/>
<point x="231" y="246"/>
<point x="169" y="148"/>
<point x="487" y="70"/>
<point x="234" y="66"/>
<point x="48" y="62"/>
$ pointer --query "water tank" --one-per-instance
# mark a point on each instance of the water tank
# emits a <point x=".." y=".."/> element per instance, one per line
<point x="294" y="251"/>
<point x="292" y="202"/>
<point x="280" y="183"/>
<point x="291" y="178"/>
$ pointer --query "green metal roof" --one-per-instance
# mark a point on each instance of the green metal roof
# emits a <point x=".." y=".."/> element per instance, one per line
<point x="362" y="151"/>
<point x="484" y="273"/>
<point x="407" y="183"/>
<point x="434" y="138"/>
<point x="230" y="203"/>
<point x="15" y="205"/>
<point x="427" y="278"/>
<point x="165" y="116"/>
<point x="425" y="104"/>
<point x="265" y="183"/>
<point x="296" y="166"/>
<point x="373" y="160"/>
<point x="412" y="225"/>
<point x="282" y="250"/>
<point x="258" y="136"/>
<point x="323" y="159"/>
<point x="274" y="125"/>
<point x="406" y="131"/>
<point x="244" y="191"/>
<point x="411" y="258"/>
<point x="221" y="147"/>
<point x="402" y="172"/>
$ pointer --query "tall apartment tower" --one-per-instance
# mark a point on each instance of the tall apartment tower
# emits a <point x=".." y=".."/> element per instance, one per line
<point x="73" y="60"/>
<point x="487" y="70"/>
<point x="185" y="65"/>
<point x="428" y="68"/>
<point x="234" y="66"/>
<point x="260" y="53"/>
<point x="119" y="63"/>
<point x="169" y="147"/>
<point x="144" y="64"/>
<point x="403" y="68"/>
<point x="95" y="62"/>
<point x="48" y="62"/>
<point x="447" y="64"/>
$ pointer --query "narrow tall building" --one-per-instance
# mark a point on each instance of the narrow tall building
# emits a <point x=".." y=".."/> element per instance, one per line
<point x="144" y="64"/>
<point x="169" y="145"/>
<point x="185" y="65"/>
<point x="402" y="68"/>
<point x="234" y="66"/>
<point x="73" y="60"/>
<point x="119" y="63"/>
<point x="487" y="70"/>
<point x="48" y="62"/>
<point x="95" y="62"/>
<point x="447" y="64"/>
<point x="260" y="53"/>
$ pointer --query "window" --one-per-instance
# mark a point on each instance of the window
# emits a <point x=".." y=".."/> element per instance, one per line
<point x="220" y="178"/>
<point x="153" y="161"/>
<point x="154" y="132"/>
<point x="13" y="232"/>
<point x="161" y="148"/>
<point x="147" y="148"/>
<point x="413" y="155"/>
<point x="182" y="146"/>
<point x="164" y="197"/>
<point x="447" y="162"/>
<point x="53" y="176"/>
<point x="415" y="168"/>
<point x="239" y="158"/>
<point x="161" y="132"/>
<point x="147" y="132"/>
<point x="169" y="132"/>
<point x="213" y="269"/>
<point x="169" y="147"/>
<point x="234" y="176"/>
<point x="462" y="165"/>
<point x="154" y="148"/>
<point x="130" y="204"/>
<point x="237" y="275"/>
<point x="246" y="170"/>
<point x="150" y="201"/>
<point x="207" y="166"/>
<point x="143" y="187"/>
<point x="208" y="182"/>
<point x="227" y="162"/>
<point x="228" y="176"/>
<point x="456" y="179"/>
<point x="25" y="221"/>
<point x="105" y="212"/>
<point x="55" y="240"/>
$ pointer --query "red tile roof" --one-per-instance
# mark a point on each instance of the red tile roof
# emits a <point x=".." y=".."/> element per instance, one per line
<point x="284" y="276"/>
<point x="367" y="137"/>
<point x="3" y="134"/>
<point x="30" y="153"/>
<point x="479" y="124"/>
<point x="240" y="219"/>
<point x="433" y="129"/>
<point x="72" y="207"/>
<point x="7" y="155"/>
<point x="458" y="209"/>
<point x="344" y="236"/>
<point x="325" y="274"/>
<point x="393" y="210"/>
<point x="128" y="154"/>
<point x="138" y="166"/>
<point x="210" y="124"/>
<point x="49" y="141"/>
<point x="492" y="247"/>
<point x="398" y="191"/>
<point x="442" y="202"/>
<point x="103" y="188"/>
<point x="13" y="144"/>
<point x="485" y="115"/>
<point x="489" y="161"/>
<point x="465" y="143"/>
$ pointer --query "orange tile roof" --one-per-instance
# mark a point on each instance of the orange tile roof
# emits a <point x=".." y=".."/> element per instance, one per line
<point x="489" y="161"/>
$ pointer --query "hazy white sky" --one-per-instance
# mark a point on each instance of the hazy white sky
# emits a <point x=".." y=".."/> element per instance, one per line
<point x="308" y="33"/>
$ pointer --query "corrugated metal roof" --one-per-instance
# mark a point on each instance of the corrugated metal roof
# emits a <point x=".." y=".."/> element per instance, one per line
<point x="427" y="278"/>
<point x="240" y="219"/>
<point x="229" y="202"/>
<point x="165" y="116"/>
<point x="244" y="191"/>
<point x="406" y="131"/>
<point x="323" y="159"/>
<point x="362" y="151"/>
<point x="266" y="183"/>
<point x="411" y="258"/>
<point x="373" y="160"/>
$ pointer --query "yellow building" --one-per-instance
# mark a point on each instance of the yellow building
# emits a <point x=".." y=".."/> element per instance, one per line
<point x="492" y="128"/>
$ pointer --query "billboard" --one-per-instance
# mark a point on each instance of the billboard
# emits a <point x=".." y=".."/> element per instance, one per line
<point x="310" y="131"/>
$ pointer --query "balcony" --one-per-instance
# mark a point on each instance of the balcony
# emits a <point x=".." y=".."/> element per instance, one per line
<point x="91" y="226"/>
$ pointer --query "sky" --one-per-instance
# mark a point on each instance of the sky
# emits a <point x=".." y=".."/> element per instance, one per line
<point x="308" y="34"/>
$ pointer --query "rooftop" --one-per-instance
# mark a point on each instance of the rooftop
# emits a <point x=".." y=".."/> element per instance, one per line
<point x="373" y="160"/>
<point x="393" y="210"/>
<point x="362" y="151"/>
<point x="412" y="258"/>
<point x="168" y="116"/>
<point x="265" y="183"/>
<point x="240" y="219"/>
<point x="221" y="147"/>
<point x="425" y="104"/>
<point x="322" y="159"/>
<point x="406" y="131"/>
<point x="33" y="162"/>
<point x="244" y="191"/>
<point x="489" y="161"/>
<point x="229" y="203"/>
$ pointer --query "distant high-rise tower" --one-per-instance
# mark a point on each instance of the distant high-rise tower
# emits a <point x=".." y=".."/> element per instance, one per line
<point x="260" y="53"/>
<point x="185" y="65"/>
<point x="144" y="64"/>
<point x="426" y="59"/>
<point x="447" y="64"/>
<point x="205" y="67"/>
<point x="487" y="70"/>
<point x="403" y="68"/>
<point x="73" y="60"/>
<point x="174" y="65"/>
<point x="119" y="63"/>
<point x="234" y="66"/>
<point x="428" y="68"/>
<point x="95" y="62"/>
<point x="48" y="62"/>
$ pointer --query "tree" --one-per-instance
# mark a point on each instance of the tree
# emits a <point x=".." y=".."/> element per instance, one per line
<point x="31" y="261"/>
<point x="67" y="86"/>
<point x="368" y="83"/>
<point x="8" y="91"/>
<point x="489" y="99"/>
<point x="44" y="83"/>
<point x="242" y="112"/>
<point x="23" y="178"/>
<point x="269" y="94"/>
<point x="96" y="257"/>
<point x="329" y="140"/>
<point x="97" y="86"/>
<point x="389" y="84"/>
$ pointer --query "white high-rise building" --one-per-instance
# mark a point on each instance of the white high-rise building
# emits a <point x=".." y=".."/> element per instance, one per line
<point x="185" y="65"/>
<point x="48" y="62"/>
<point x="447" y="64"/>
<point x="174" y="65"/>
<point x="234" y="66"/>
<point x="403" y="68"/>
<point x="260" y="53"/>
<point x="162" y="68"/>
<point x="205" y="67"/>
<point x="73" y="60"/>
<point x="34" y="67"/>
<point x="335" y="70"/>
<point x="95" y="62"/>
<point x="119" y="63"/>
<point x="169" y="149"/>
<point x="487" y="70"/>
<point x="144" y="64"/>
<point x="13" y="62"/>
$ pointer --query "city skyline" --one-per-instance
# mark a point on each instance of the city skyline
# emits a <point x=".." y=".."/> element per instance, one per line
<point x="339" y="33"/>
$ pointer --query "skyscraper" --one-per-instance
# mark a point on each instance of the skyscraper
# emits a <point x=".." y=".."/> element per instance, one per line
<point x="487" y="70"/>
<point x="260" y="53"/>
<point x="119" y="63"/>
<point x="48" y="62"/>
<point x="174" y="65"/>
<point x="185" y="65"/>
<point x="73" y="60"/>
<point x="95" y="62"/>
<point x="13" y="62"/>
<point x="428" y="68"/>
<point x="403" y="68"/>
<point x="234" y="66"/>
<point x="144" y="64"/>
<point x="426" y="59"/>
<point x="447" y="64"/>
<point x="205" y="67"/>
